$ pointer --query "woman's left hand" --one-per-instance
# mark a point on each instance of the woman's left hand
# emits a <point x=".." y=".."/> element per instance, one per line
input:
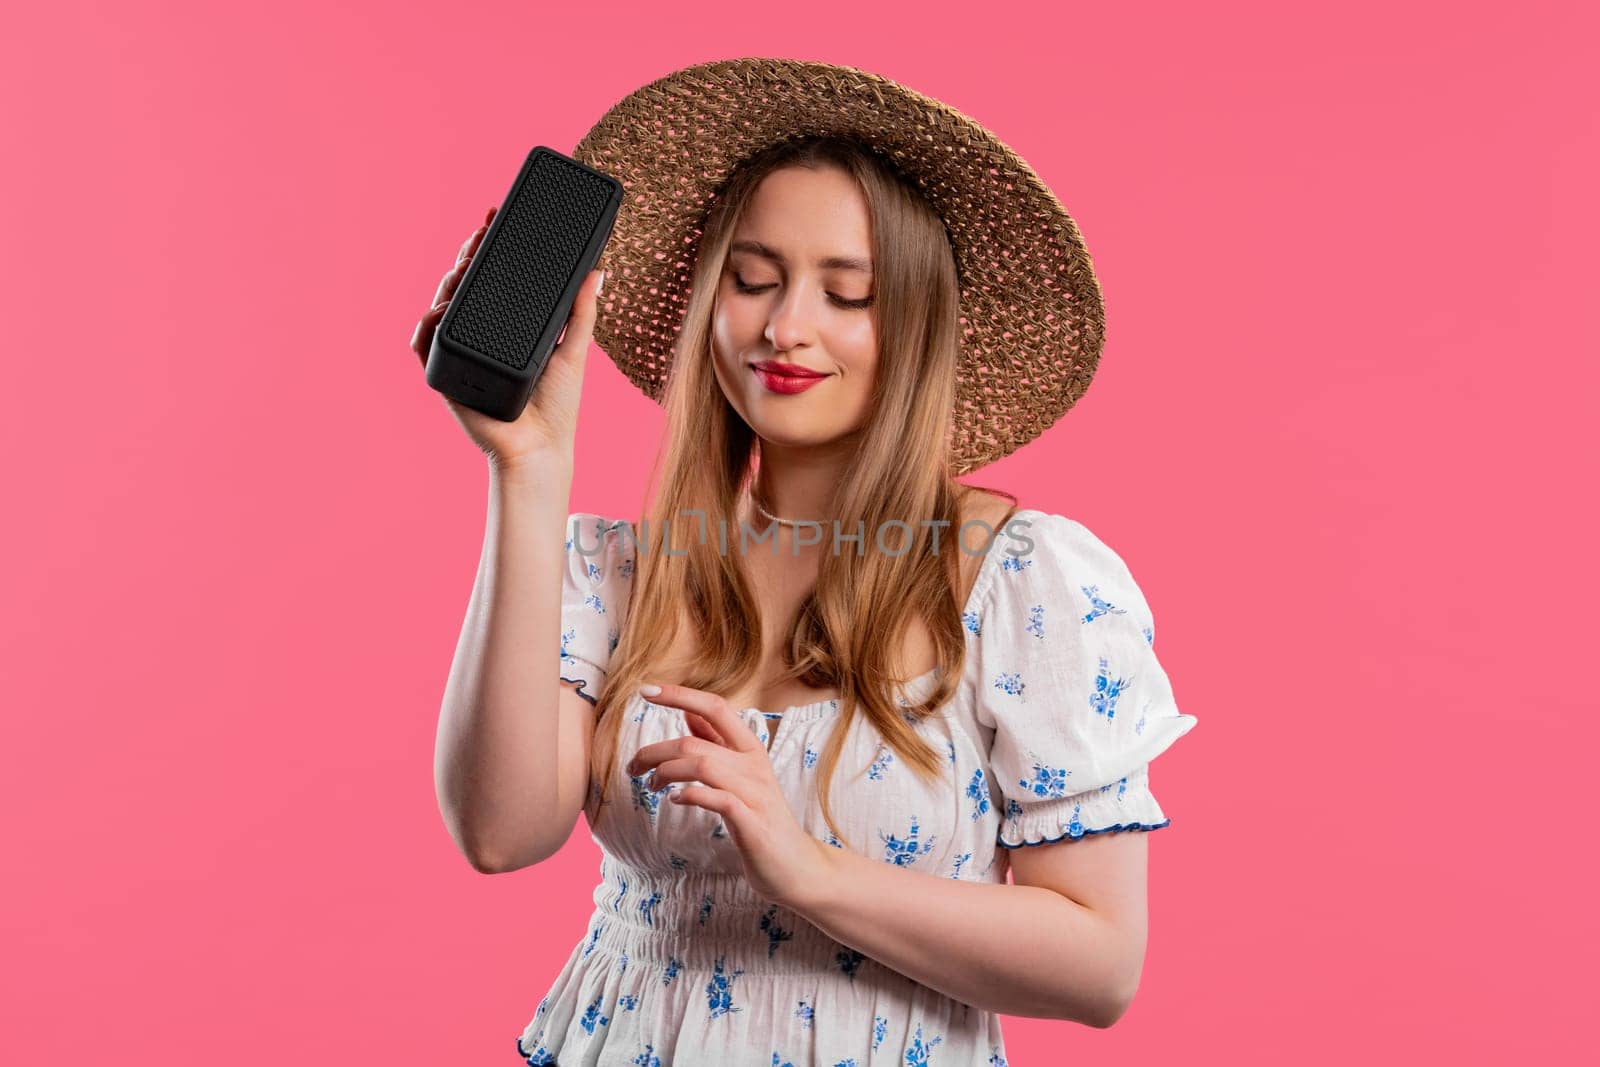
<point x="781" y="860"/>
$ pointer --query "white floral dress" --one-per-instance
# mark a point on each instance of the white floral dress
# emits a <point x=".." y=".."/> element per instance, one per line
<point x="1060" y="710"/>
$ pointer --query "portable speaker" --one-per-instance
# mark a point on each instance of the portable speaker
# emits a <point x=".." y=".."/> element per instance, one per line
<point x="503" y="320"/>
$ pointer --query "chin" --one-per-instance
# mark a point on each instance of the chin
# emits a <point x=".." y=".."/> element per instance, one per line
<point x="782" y="433"/>
<point x="790" y="433"/>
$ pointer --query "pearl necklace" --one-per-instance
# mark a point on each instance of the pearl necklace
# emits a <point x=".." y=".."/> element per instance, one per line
<point x="786" y="522"/>
<point x="774" y="518"/>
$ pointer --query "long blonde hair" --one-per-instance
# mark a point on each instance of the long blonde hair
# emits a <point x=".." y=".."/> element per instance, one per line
<point x="848" y="630"/>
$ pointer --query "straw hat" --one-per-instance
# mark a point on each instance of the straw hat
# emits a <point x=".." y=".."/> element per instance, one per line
<point x="1032" y="316"/>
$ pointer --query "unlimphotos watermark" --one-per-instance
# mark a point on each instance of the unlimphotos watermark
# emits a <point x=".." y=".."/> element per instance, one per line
<point x="808" y="533"/>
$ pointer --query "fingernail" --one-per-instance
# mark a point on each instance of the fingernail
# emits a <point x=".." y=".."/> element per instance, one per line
<point x="601" y="284"/>
<point x="488" y="217"/>
<point x="649" y="690"/>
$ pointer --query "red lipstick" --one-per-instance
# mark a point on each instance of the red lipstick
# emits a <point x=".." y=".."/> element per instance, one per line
<point x="786" y="377"/>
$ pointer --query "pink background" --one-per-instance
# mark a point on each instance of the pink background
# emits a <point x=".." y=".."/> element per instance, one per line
<point x="1340" y="432"/>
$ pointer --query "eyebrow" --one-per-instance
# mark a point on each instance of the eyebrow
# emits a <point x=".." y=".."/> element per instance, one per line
<point x="756" y="248"/>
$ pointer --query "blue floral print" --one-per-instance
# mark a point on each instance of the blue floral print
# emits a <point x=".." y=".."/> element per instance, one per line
<point x="917" y="1055"/>
<point x="903" y="852"/>
<point x="775" y="932"/>
<point x="1106" y="691"/>
<point x="1046" y="781"/>
<point x="594" y="937"/>
<point x="539" y="1057"/>
<point x="645" y="797"/>
<point x="1097" y="605"/>
<point x="1058" y="712"/>
<point x="568" y="658"/>
<point x="592" y="1017"/>
<point x="1035" y="624"/>
<point x="977" y="792"/>
<point x="719" y="991"/>
<point x="1010" y="684"/>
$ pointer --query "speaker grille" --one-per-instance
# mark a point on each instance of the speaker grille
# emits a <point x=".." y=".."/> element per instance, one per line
<point x="512" y="295"/>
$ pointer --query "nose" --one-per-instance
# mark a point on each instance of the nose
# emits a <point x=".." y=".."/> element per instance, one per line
<point x="789" y="325"/>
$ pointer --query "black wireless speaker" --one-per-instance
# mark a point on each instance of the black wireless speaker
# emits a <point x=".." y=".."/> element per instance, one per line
<point x="503" y="321"/>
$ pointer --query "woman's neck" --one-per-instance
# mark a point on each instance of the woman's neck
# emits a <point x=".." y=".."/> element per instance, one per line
<point x="794" y="489"/>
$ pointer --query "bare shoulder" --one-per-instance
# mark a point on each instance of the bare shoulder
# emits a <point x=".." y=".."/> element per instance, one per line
<point x="991" y="509"/>
<point x="981" y="505"/>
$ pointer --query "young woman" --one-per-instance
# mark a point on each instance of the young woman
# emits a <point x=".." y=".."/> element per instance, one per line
<point x="821" y="698"/>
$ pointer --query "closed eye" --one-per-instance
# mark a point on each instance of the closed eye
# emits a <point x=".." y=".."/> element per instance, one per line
<point x="865" y="302"/>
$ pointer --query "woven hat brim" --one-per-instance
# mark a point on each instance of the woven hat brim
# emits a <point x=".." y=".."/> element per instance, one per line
<point x="1032" y="315"/>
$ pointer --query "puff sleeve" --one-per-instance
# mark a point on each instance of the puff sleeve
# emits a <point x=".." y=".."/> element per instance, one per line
<point x="594" y="597"/>
<point x="1072" y="689"/>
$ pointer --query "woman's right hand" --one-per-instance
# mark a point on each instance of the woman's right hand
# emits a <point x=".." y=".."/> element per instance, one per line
<point x="549" y="423"/>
